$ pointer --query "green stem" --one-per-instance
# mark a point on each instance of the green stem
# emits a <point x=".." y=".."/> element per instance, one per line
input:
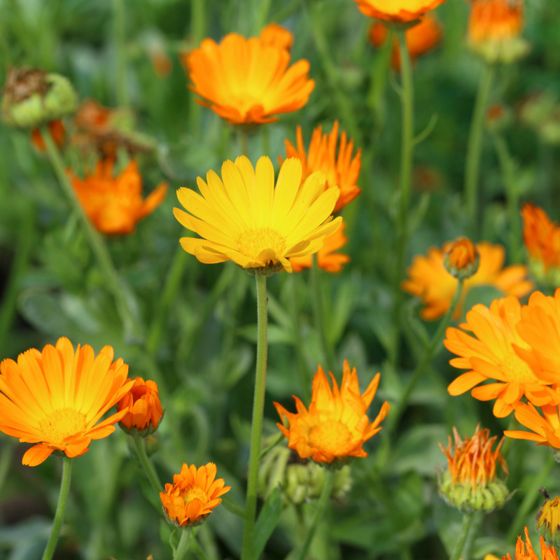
<point x="474" y="148"/>
<point x="257" y="420"/>
<point x="197" y="30"/>
<point x="322" y="504"/>
<point x="147" y="466"/>
<point x="60" y="508"/>
<point x="119" y="27"/>
<point x="405" y="183"/>
<point x="184" y="544"/>
<point x="123" y="298"/>
<point x="243" y="140"/>
<point x="468" y="520"/>
<point x="319" y="314"/>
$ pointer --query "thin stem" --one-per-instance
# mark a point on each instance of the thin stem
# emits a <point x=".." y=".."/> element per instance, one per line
<point x="243" y="140"/>
<point x="322" y="504"/>
<point x="123" y="298"/>
<point x="60" y="508"/>
<point x="474" y="149"/>
<point x="257" y="420"/>
<point x="119" y="27"/>
<point x="468" y="519"/>
<point x="147" y="466"/>
<point x="319" y="313"/>
<point x="184" y="544"/>
<point x="405" y="182"/>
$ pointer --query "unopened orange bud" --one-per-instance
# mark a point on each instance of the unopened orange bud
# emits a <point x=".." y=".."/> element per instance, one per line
<point x="461" y="258"/>
<point x="144" y="407"/>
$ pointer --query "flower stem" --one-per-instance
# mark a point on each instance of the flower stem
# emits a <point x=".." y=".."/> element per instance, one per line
<point x="257" y="420"/>
<point x="119" y="22"/>
<point x="405" y="182"/>
<point x="322" y="504"/>
<point x="147" y="466"/>
<point x="319" y="313"/>
<point x="125" y="303"/>
<point x="60" y="508"/>
<point x="468" y="520"/>
<point x="474" y="149"/>
<point x="184" y="544"/>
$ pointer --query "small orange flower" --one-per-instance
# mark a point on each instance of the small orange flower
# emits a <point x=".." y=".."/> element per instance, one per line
<point x="397" y="11"/>
<point x="461" y="258"/>
<point x="429" y="280"/>
<point x="542" y="238"/>
<point x="195" y="492"/>
<point x="248" y="81"/>
<point x="420" y="39"/>
<point x="277" y="36"/>
<point x="339" y="166"/>
<point x="143" y="406"/>
<point x="327" y="258"/>
<point x="525" y="550"/>
<point x="115" y="204"/>
<point x="55" y="398"/>
<point x="495" y="20"/>
<point x="57" y="131"/>
<point x="336" y="425"/>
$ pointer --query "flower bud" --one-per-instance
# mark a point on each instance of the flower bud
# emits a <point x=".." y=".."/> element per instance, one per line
<point x="548" y="520"/>
<point x="144" y="408"/>
<point x="461" y="258"/>
<point x="34" y="98"/>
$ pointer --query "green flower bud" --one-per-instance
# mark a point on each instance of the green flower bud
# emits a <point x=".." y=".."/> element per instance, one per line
<point x="501" y="51"/>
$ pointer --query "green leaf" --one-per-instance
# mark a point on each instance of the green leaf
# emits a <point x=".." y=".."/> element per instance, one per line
<point x="267" y="521"/>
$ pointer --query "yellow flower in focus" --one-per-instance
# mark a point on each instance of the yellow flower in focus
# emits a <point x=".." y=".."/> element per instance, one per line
<point x="195" y="492"/>
<point x="327" y="258"/>
<point x="248" y="81"/>
<point x="277" y="36"/>
<point x="55" y="398"/>
<point x="429" y="280"/>
<point x="340" y="167"/>
<point x="336" y="425"/>
<point x="490" y="346"/>
<point x="524" y="550"/>
<point x="244" y="217"/>
<point x="144" y="410"/>
<point x="114" y="204"/>
<point x="397" y="11"/>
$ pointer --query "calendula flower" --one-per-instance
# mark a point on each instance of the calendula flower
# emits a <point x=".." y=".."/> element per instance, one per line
<point x="195" y="492"/>
<point x="548" y="519"/>
<point x="114" y="204"/>
<point x="338" y="163"/>
<point x="494" y="29"/>
<point x="56" y="130"/>
<point x="545" y="428"/>
<point x="524" y="550"/>
<point x="55" y="398"/>
<point x="244" y="217"/>
<point x="277" y="36"/>
<point x="493" y="352"/>
<point x="327" y="258"/>
<point x="471" y="481"/>
<point x="397" y="11"/>
<point x="336" y="425"/>
<point x="248" y="81"/>
<point x="429" y="279"/>
<point x="461" y="258"/>
<point x="144" y="410"/>
<point x="420" y="38"/>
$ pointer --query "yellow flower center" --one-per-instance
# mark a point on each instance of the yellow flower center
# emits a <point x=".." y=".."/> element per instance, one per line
<point x="264" y="244"/>
<point x="194" y="494"/>
<point x="330" y="436"/>
<point x="60" y="424"/>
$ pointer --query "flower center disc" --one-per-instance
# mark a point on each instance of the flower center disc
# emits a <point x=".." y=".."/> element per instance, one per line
<point x="329" y="436"/>
<point x="263" y="243"/>
<point x="194" y="494"/>
<point x="61" y="424"/>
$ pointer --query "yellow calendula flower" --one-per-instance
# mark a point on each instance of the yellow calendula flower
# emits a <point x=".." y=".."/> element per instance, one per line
<point x="336" y="425"/>
<point x="246" y="218"/>
<point x="548" y="519"/>
<point x="397" y="11"/>
<point x="195" y="492"/>
<point x="55" y="398"/>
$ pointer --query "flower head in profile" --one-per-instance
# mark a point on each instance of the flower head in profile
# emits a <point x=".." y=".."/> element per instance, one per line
<point x="420" y="38"/>
<point x="144" y="410"/>
<point x="55" y="398"/>
<point x="327" y="258"/>
<point x="248" y="81"/>
<point x="397" y="11"/>
<point x="472" y="481"/>
<point x="336" y="424"/>
<point x="461" y="258"/>
<point x="114" y="203"/>
<point x="277" y="36"/>
<point x="524" y="550"/>
<point x="429" y="279"/>
<point x="246" y="218"/>
<point x="336" y="160"/>
<point x="195" y="492"/>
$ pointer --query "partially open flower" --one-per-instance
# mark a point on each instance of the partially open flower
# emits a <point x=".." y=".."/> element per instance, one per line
<point x="471" y="481"/>
<point x="335" y="426"/>
<point x="277" y="36"/>
<point x="397" y="11"/>
<point x="195" y="492"/>
<point x="461" y="258"/>
<point x="144" y="407"/>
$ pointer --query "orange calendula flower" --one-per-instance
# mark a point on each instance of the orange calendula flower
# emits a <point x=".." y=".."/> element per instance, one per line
<point x="327" y="258"/>
<point x="277" y="36"/>
<point x="248" y="81"/>
<point x="144" y="411"/>
<point x="57" y="131"/>
<point x="545" y="427"/>
<point x="55" y="398"/>
<point x="524" y="550"/>
<point x="244" y="217"/>
<point x="114" y="204"/>
<point x="429" y="279"/>
<point x="338" y="163"/>
<point x="195" y="492"/>
<point x="397" y="11"/>
<point x="336" y="425"/>
<point x="420" y="39"/>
